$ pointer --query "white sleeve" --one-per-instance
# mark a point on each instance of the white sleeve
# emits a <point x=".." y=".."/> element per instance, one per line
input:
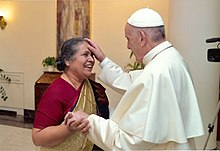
<point x="106" y="134"/>
<point x="109" y="71"/>
<point x="104" y="62"/>
<point x="114" y="76"/>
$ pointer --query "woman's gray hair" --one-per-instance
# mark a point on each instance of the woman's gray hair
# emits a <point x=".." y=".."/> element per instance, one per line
<point x="68" y="50"/>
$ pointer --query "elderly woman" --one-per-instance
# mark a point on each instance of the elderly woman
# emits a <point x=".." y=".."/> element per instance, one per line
<point x="72" y="91"/>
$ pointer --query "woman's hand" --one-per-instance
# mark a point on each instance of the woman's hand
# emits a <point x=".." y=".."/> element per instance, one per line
<point x="77" y="121"/>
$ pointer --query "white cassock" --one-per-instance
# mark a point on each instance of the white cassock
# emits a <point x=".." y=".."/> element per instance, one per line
<point x="158" y="110"/>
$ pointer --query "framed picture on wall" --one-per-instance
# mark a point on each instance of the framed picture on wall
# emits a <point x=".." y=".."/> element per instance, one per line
<point x="73" y="20"/>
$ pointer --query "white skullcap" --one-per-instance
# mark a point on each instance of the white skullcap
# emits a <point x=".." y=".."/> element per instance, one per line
<point x="145" y="17"/>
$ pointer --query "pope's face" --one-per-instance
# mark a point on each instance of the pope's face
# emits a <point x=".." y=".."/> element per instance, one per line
<point x="82" y="62"/>
<point x="133" y="42"/>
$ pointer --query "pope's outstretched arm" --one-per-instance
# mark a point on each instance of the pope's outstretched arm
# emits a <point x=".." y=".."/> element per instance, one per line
<point x="111" y="73"/>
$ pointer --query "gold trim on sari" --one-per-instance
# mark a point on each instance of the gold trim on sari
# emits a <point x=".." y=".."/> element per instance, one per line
<point x="77" y="141"/>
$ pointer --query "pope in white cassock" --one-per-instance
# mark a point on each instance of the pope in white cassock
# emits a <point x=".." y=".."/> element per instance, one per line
<point x="159" y="108"/>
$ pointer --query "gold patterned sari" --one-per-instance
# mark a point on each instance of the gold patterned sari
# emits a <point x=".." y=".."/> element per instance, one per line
<point x="77" y="141"/>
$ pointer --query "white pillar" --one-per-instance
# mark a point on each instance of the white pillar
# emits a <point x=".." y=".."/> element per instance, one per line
<point x="190" y="24"/>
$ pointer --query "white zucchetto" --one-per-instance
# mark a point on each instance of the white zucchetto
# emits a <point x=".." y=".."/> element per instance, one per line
<point x="145" y="17"/>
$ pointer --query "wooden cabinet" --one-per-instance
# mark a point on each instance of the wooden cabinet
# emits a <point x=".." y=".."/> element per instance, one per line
<point x="42" y="84"/>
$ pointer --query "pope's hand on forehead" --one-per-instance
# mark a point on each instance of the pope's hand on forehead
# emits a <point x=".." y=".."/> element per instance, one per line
<point x="92" y="43"/>
<point x="95" y="49"/>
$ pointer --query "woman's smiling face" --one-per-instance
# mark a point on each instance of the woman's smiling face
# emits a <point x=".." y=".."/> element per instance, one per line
<point x="82" y="62"/>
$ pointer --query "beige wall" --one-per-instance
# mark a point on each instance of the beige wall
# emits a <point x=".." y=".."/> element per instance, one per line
<point x="29" y="36"/>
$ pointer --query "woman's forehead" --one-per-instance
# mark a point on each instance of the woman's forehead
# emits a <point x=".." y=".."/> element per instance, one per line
<point x="84" y="48"/>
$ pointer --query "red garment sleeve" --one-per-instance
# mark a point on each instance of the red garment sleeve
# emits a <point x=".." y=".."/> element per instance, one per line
<point x="57" y="100"/>
<point x="49" y="113"/>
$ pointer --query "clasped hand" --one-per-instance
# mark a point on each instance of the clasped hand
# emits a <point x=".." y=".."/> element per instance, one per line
<point x="77" y="121"/>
